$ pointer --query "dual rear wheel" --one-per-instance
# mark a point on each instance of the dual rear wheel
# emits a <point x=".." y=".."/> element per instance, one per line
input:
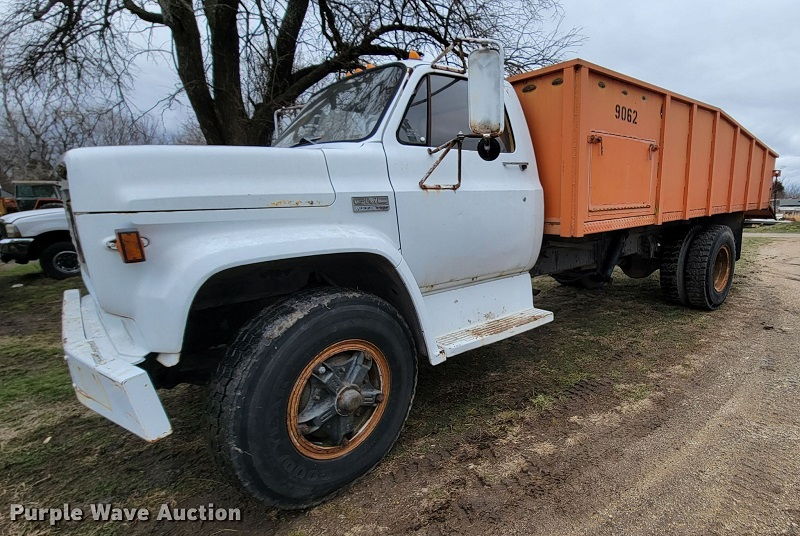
<point x="697" y="266"/>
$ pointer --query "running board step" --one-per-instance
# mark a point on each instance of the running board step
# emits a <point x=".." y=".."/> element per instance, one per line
<point x="491" y="331"/>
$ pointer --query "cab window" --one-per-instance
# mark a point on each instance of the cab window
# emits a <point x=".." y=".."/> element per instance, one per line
<point x="438" y="111"/>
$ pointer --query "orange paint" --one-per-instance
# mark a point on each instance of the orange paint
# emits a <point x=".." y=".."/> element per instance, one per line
<point x="614" y="152"/>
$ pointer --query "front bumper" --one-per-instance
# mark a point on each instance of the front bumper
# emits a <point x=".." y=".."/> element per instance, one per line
<point x="15" y="249"/>
<point x="103" y="381"/>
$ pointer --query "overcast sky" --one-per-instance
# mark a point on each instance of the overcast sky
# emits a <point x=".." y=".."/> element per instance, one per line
<point x="742" y="56"/>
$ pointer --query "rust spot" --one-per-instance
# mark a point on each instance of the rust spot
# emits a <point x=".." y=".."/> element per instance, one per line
<point x="501" y="325"/>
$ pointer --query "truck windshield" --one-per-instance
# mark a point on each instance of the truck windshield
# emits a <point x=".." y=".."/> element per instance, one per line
<point x="347" y="110"/>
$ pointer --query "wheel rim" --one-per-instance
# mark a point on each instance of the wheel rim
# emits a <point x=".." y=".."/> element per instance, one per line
<point x="338" y="399"/>
<point x="66" y="262"/>
<point x="722" y="268"/>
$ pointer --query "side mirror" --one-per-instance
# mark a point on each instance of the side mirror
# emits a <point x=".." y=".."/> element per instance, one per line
<point x="486" y="106"/>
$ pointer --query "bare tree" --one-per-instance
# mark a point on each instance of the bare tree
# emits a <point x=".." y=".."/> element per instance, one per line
<point x="240" y="60"/>
<point x="792" y="190"/>
<point x="39" y="123"/>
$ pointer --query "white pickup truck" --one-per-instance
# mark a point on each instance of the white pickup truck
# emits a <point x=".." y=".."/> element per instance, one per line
<point x="41" y="235"/>
<point x="304" y="280"/>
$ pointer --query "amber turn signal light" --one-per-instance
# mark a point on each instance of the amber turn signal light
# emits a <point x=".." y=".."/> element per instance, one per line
<point x="130" y="245"/>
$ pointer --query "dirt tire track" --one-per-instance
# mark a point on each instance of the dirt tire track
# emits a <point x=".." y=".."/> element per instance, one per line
<point x="713" y="450"/>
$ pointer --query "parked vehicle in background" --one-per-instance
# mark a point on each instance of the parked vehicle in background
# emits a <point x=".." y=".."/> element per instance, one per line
<point x="7" y="202"/>
<point x="401" y="214"/>
<point x="32" y="195"/>
<point x="41" y="235"/>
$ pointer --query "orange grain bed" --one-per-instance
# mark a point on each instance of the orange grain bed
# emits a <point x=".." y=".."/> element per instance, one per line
<point x="614" y="152"/>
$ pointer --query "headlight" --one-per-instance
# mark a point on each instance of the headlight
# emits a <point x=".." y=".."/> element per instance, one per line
<point x="12" y="231"/>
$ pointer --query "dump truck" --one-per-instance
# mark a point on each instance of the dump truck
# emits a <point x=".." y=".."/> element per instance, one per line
<point x="401" y="216"/>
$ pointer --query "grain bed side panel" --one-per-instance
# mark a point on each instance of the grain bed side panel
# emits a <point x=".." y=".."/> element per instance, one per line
<point x="723" y="159"/>
<point x="674" y="154"/>
<point x="545" y="105"/>
<point x="614" y="152"/>
<point x="740" y="172"/>
<point x="755" y="178"/>
<point x="700" y="162"/>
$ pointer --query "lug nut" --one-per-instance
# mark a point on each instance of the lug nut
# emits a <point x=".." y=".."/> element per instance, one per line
<point x="321" y="370"/>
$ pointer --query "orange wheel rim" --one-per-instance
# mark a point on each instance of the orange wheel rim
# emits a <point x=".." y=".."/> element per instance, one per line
<point x="723" y="265"/>
<point x="338" y="399"/>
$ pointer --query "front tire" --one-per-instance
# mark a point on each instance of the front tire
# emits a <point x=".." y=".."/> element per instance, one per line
<point x="59" y="260"/>
<point x="312" y="394"/>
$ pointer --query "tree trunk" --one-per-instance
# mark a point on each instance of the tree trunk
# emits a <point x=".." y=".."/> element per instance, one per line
<point x="179" y="16"/>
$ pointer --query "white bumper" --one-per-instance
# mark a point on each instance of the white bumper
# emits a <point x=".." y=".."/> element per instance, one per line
<point x="103" y="382"/>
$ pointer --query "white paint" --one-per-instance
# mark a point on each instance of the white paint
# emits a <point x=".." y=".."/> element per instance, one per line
<point x="462" y="255"/>
<point x="160" y="178"/>
<point x="32" y="223"/>
<point x="470" y="305"/>
<point x="491" y="226"/>
<point x="492" y="331"/>
<point x="104" y="383"/>
<point x="457" y="312"/>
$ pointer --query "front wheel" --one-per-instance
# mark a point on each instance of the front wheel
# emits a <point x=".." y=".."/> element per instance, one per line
<point x="312" y="394"/>
<point x="59" y="260"/>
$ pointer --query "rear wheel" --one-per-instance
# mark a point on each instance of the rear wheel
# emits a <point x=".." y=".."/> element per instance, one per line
<point x="672" y="271"/>
<point x="59" y="260"/>
<point x="312" y="394"/>
<point x="710" y="264"/>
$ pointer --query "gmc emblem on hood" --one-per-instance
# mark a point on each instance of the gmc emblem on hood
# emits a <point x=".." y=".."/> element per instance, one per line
<point x="372" y="203"/>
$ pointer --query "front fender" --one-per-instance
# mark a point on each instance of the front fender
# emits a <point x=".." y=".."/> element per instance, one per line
<point x="157" y="294"/>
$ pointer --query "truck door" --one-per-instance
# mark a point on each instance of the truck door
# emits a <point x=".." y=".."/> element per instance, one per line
<point x="491" y="225"/>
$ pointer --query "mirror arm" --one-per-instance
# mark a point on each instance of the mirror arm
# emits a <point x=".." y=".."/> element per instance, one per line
<point x="445" y="148"/>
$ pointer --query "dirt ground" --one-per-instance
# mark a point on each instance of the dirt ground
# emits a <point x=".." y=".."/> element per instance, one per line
<point x="624" y="416"/>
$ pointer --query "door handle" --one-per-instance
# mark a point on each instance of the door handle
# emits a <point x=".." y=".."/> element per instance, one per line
<point x="522" y="165"/>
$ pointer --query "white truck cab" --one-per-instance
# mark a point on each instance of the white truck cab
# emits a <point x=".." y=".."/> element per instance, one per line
<point x="328" y="239"/>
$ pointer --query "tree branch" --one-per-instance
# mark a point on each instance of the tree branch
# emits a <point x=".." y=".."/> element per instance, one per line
<point x="147" y="16"/>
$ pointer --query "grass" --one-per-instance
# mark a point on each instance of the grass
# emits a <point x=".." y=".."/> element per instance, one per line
<point x="52" y="450"/>
<point x="792" y="227"/>
<point x="624" y="331"/>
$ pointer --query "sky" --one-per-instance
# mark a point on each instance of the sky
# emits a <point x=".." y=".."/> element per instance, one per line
<point x="741" y="56"/>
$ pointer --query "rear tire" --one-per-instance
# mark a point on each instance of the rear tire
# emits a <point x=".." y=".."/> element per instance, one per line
<point x="710" y="265"/>
<point x="59" y="260"/>
<point x="287" y="369"/>
<point x="672" y="271"/>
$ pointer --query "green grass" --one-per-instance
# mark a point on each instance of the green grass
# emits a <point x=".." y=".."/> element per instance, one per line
<point x="793" y="227"/>
<point x="43" y="386"/>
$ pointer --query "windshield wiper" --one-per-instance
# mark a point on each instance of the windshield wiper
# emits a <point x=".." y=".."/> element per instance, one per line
<point x="306" y="141"/>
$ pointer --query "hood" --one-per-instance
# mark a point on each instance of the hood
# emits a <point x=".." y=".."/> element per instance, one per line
<point x="177" y="178"/>
<point x="32" y="223"/>
<point x="41" y="215"/>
